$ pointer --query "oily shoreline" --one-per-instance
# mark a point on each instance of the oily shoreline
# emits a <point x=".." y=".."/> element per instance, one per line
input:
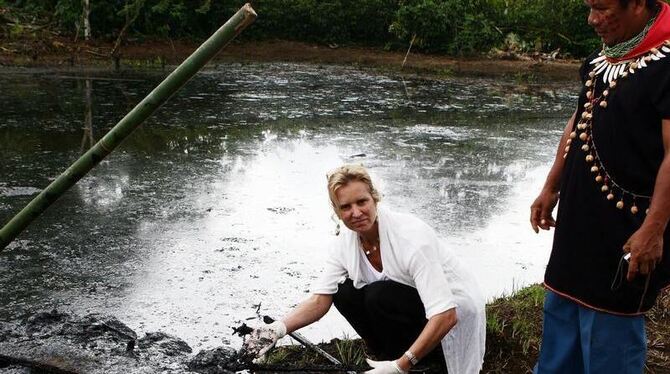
<point x="59" y="342"/>
<point x="61" y="53"/>
<point x="515" y="321"/>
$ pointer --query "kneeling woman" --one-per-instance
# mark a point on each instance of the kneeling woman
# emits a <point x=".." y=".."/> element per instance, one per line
<point x="395" y="282"/>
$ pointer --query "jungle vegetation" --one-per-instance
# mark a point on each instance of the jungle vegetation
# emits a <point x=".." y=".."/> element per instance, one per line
<point x="452" y="27"/>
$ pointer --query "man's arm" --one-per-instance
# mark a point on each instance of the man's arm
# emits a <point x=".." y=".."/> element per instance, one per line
<point x="540" y="210"/>
<point x="646" y="244"/>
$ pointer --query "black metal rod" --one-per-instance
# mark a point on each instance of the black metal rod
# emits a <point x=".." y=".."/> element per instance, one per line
<point x="302" y="340"/>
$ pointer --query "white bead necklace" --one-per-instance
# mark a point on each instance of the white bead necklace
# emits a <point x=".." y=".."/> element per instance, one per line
<point x="611" y="72"/>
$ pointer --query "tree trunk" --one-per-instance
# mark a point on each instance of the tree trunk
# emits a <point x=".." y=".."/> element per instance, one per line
<point x="132" y="10"/>
<point x="87" y="24"/>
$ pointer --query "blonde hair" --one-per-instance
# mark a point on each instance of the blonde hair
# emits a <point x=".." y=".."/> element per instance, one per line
<point x="344" y="174"/>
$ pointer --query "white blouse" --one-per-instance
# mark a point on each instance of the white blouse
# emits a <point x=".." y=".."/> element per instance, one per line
<point x="412" y="254"/>
<point x="370" y="274"/>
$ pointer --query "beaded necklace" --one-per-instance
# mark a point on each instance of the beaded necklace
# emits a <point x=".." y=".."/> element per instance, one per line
<point x="621" y="49"/>
<point x="611" y="72"/>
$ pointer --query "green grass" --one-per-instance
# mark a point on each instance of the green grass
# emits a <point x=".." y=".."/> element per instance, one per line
<point x="350" y="352"/>
<point x="514" y="332"/>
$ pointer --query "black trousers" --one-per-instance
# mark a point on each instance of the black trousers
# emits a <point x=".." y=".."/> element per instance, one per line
<point x="388" y="316"/>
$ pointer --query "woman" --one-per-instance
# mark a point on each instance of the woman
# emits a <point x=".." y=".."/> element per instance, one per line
<point x="394" y="281"/>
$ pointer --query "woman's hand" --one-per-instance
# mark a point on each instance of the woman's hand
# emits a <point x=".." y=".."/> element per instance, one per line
<point x="384" y="367"/>
<point x="262" y="340"/>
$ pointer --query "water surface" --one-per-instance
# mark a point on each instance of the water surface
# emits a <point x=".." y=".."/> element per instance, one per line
<point x="216" y="207"/>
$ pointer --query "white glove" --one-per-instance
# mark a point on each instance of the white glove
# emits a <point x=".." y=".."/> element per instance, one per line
<point x="262" y="340"/>
<point x="384" y="367"/>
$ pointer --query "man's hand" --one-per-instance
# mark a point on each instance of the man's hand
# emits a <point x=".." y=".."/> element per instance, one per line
<point x="257" y="345"/>
<point x="540" y="210"/>
<point x="384" y="367"/>
<point x="646" y="250"/>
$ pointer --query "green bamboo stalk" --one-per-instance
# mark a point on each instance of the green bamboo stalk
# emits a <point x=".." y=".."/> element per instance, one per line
<point x="243" y="18"/>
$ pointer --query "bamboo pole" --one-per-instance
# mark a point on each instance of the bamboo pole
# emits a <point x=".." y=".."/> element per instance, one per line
<point x="238" y="22"/>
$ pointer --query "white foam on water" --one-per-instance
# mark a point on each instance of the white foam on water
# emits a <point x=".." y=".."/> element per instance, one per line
<point x="19" y="191"/>
<point x="506" y="254"/>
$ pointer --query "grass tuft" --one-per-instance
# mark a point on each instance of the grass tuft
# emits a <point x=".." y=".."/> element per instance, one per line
<point x="350" y="352"/>
<point x="513" y="331"/>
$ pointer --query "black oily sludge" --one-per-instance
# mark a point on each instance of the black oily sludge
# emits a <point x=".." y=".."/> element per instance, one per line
<point x="57" y="342"/>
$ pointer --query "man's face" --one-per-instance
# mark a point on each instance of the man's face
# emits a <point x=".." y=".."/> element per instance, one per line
<point x="613" y="22"/>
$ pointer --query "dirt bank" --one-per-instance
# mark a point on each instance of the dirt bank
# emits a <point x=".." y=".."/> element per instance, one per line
<point x="63" y="53"/>
<point x="513" y="335"/>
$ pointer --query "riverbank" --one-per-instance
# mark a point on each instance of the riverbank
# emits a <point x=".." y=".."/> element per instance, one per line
<point x="62" y="343"/>
<point x="513" y="336"/>
<point x="59" y="52"/>
<point x="514" y="323"/>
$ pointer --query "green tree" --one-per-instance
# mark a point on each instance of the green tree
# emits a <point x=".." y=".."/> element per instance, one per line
<point x="547" y="25"/>
<point x="452" y="26"/>
<point x="458" y="27"/>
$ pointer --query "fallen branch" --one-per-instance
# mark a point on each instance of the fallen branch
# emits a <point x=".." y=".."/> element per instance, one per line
<point x="408" y="49"/>
<point x="94" y="53"/>
<point x="27" y="27"/>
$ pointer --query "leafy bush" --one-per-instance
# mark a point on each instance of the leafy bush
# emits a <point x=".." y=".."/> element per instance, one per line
<point x="325" y="21"/>
<point x="452" y="26"/>
<point x="459" y="27"/>
<point x="547" y="25"/>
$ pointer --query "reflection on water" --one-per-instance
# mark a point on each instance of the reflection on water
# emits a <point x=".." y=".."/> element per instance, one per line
<point x="218" y="202"/>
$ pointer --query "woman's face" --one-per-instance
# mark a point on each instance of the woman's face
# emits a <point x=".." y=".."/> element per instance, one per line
<point x="358" y="210"/>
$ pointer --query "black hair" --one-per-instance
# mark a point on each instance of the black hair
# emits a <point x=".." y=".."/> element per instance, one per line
<point x="651" y="4"/>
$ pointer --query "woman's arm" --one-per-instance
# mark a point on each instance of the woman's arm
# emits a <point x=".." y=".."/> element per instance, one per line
<point x="426" y="269"/>
<point x="263" y="339"/>
<point x="307" y="312"/>
<point x="437" y="327"/>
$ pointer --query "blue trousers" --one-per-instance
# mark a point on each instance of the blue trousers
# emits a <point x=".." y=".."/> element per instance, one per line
<point x="578" y="340"/>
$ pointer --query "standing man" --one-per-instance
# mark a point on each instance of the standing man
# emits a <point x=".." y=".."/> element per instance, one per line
<point x="611" y="250"/>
